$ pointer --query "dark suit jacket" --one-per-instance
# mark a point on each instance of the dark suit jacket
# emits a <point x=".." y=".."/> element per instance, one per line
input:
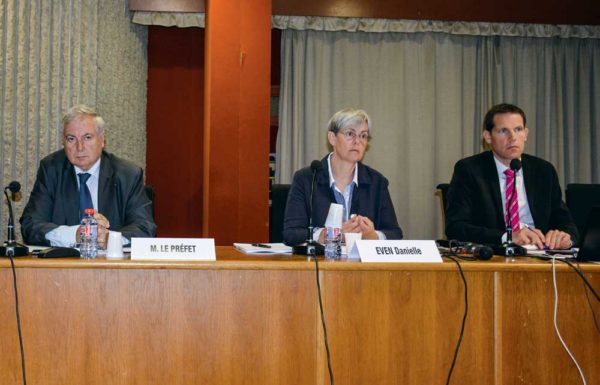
<point x="54" y="200"/>
<point x="370" y="199"/>
<point x="474" y="205"/>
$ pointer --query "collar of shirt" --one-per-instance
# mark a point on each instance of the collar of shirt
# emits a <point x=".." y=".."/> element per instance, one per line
<point x="332" y="179"/>
<point x="93" y="182"/>
<point x="94" y="171"/>
<point x="526" y="218"/>
<point x="500" y="168"/>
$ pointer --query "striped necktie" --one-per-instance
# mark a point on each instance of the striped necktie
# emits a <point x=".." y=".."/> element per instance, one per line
<point x="512" y="201"/>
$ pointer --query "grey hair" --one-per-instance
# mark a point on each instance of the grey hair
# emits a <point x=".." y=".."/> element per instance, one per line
<point x="81" y="110"/>
<point x="348" y="117"/>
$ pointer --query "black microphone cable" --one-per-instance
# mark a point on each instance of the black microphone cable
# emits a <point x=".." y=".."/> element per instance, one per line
<point x="555" y="322"/>
<point x="585" y="280"/>
<point x="587" y="287"/>
<point x="464" y="319"/>
<point x="587" y="297"/>
<point x="18" y="313"/>
<point x="323" y="317"/>
<point x="455" y="247"/>
<point x="578" y="271"/>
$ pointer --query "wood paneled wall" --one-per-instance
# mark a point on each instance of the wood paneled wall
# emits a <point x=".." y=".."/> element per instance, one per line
<point x="510" y="11"/>
<point x="175" y="116"/>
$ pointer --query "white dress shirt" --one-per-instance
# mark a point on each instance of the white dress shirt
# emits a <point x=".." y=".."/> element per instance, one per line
<point x="66" y="236"/>
<point x="525" y="217"/>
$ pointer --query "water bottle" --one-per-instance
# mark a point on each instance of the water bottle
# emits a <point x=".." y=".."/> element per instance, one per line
<point x="333" y="243"/>
<point x="88" y="232"/>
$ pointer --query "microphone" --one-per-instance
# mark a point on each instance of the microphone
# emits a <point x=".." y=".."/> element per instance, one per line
<point x="482" y="252"/>
<point x="515" y="165"/>
<point x="10" y="247"/>
<point x="510" y="249"/>
<point x="312" y="247"/>
<point x="15" y="190"/>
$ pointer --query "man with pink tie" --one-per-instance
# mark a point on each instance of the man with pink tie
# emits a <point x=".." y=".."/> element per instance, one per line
<point x="481" y="198"/>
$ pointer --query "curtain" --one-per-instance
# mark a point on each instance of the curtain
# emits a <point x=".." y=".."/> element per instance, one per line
<point x="54" y="54"/>
<point x="170" y="19"/>
<point x="427" y="93"/>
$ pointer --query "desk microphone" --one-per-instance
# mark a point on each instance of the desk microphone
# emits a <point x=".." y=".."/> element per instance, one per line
<point x="311" y="247"/>
<point x="478" y="251"/>
<point x="510" y="249"/>
<point x="10" y="248"/>
<point x="482" y="252"/>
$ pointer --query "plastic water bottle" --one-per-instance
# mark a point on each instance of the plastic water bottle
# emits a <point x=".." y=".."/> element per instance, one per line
<point x="333" y="243"/>
<point x="88" y="232"/>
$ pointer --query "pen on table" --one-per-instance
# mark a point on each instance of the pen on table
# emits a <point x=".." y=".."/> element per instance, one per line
<point x="261" y="245"/>
<point x="525" y="225"/>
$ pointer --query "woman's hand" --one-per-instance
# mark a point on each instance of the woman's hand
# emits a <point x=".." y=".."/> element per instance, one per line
<point x="367" y="228"/>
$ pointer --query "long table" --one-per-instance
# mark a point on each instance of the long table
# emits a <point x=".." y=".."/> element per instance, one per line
<point x="255" y="320"/>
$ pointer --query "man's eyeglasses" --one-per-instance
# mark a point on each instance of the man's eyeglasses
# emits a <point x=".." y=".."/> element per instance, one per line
<point x="351" y="135"/>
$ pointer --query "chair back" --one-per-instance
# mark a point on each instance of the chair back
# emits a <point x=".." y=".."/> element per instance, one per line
<point x="279" y="194"/>
<point x="443" y="188"/>
<point x="442" y="192"/>
<point x="149" y="189"/>
<point x="581" y="197"/>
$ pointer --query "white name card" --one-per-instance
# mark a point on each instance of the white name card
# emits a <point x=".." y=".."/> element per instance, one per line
<point x="395" y="251"/>
<point x="173" y="249"/>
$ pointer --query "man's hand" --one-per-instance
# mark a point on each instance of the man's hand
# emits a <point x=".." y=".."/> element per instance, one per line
<point x="528" y="236"/>
<point x="556" y="239"/>
<point x="103" y="226"/>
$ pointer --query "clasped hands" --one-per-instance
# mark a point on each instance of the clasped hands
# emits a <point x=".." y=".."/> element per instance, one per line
<point x="554" y="239"/>
<point x="103" y="226"/>
<point x="356" y="224"/>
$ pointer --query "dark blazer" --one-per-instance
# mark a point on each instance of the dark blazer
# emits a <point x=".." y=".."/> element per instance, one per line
<point x="54" y="200"/>
<point x="474" y="205"/>
<point x="370" y="199"/>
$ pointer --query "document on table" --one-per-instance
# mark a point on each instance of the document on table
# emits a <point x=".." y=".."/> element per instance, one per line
<point x="534" y="251"/>
<point x="263" y="248"/>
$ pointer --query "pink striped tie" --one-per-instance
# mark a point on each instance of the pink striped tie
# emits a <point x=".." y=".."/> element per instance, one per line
<point x="513" y="209"/>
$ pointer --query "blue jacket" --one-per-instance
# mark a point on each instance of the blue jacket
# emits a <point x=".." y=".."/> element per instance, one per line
<point x="370" y="199"/>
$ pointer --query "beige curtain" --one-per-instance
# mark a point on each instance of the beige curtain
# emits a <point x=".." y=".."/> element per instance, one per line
<point x="54" y="54"/>
<point x="427" y="93"/>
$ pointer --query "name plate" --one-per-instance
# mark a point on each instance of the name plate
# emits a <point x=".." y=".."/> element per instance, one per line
<point x="395" y="251"/>
<point x="173" y="249"/>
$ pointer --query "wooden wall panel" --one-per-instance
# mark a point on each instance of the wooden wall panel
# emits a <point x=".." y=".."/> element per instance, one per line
<point x="254" y="320"/>
<point x="175" y="128"/>
<point x="395" y="327"/>
<point x="529" y="349"/>
<point x="156" y="327"/>
<point x="534" y="11"/>
<point x="236" y="129"/>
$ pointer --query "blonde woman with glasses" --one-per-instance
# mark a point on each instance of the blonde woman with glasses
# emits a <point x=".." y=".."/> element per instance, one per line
<point x="342" y="178"/>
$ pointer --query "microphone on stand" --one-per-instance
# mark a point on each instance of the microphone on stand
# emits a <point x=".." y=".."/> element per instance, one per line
<point x="510" y="249"/>
<point x="11" y="248"/>
<point x="311" y="247"/>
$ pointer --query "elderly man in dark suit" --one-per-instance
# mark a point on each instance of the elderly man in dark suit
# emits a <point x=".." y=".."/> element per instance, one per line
<point x="481" y="191"/>
<point x="82" y="175"/>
